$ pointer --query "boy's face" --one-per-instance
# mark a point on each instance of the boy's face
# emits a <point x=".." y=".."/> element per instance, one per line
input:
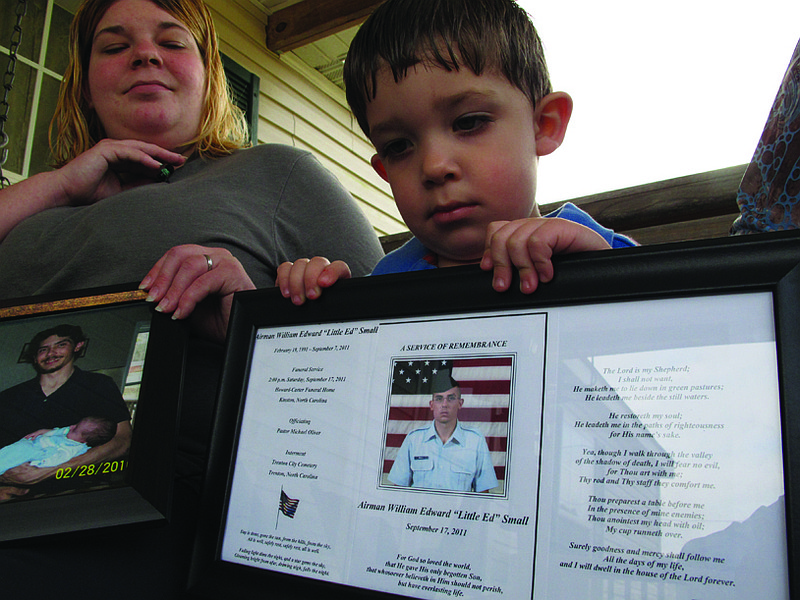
<point x="459" y="151"/>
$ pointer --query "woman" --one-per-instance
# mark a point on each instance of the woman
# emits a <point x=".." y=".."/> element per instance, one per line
<point x="145" y="88"/>
<point x="145" y="94"/>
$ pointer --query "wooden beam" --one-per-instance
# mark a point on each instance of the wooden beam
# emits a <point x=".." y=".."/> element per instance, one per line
<point x="677" y="200"/>
<point x="311" y="20"/>
<point x="698" y="229"/>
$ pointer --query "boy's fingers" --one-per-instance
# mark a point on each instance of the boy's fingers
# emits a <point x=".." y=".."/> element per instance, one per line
<point x="282" y="278"/>
<point x="333" y="272"/>
<point x="497" y="257"/>
<point x="492" y="239"/>
<point x="296" y="281"/>
<point x="540" y="254"/>
<point x="524" y="245"/>
<point x="313" y="271"/>
<point x="305" y="278"/>
<point x="529" y="255"/>
<point x="501" y="279"/>
<point x="543" y="242"/>
<point x="528" y="245"/>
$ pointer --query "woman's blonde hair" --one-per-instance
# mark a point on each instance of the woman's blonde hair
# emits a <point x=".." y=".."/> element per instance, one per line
<point x="75" y="127"/>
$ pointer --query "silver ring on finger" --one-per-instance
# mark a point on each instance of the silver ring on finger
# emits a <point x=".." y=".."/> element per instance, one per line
<point x="209" y="262"/>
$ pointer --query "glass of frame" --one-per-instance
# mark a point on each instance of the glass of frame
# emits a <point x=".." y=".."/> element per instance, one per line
<point x="89" y="390"/>
<point x="627" y="431"/>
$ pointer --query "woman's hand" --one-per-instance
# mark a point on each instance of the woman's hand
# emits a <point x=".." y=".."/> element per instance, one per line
<point x="110" y="167"/>
<point x="200" y="281"/>
<point x="107" y="168"/>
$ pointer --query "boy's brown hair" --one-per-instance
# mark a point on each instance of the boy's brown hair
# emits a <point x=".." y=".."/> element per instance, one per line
<point x="495" y="35"/>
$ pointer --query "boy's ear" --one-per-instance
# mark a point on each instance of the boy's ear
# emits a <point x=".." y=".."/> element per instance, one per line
<point x="377" y="164"/>
<point x="551" y="117"/>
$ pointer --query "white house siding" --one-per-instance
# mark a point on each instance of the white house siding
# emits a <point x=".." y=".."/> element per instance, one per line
<point x="298" y="106"/>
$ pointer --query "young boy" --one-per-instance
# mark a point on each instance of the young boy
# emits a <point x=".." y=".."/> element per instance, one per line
<point x="456" y="98"/>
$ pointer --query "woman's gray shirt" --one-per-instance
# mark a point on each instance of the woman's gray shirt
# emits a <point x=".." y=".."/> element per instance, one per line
<point x="266" y="204"/>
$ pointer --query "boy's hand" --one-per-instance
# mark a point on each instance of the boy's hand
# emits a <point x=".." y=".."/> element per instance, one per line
<point x="529" y="245"/>
<point x="305" y="278"/>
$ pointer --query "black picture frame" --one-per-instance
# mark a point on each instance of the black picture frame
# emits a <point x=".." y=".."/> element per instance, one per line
<point x="143" y="351"/>
<point x="759" y="263"/>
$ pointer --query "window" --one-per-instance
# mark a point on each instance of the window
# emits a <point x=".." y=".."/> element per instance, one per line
<point x="244" y="89"/>
<point x="41" y="61"/>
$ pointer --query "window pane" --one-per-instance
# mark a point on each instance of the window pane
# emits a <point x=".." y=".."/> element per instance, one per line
<point x="40" y="153"/>
<point x="58" y="42"/>
<point x="19" y="107"/>
<point x="32" y="26"/>
<point x="243" y="87"/>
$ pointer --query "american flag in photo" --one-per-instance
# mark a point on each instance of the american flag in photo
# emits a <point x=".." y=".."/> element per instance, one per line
<point x="288" y="506"/>
<point x="485" y="385"/>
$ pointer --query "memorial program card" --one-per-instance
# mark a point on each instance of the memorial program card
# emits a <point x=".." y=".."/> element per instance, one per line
<point x="325" y="487"/>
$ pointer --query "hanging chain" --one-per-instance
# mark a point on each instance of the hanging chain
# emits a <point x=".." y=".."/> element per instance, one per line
<point x="8" y="81"/>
